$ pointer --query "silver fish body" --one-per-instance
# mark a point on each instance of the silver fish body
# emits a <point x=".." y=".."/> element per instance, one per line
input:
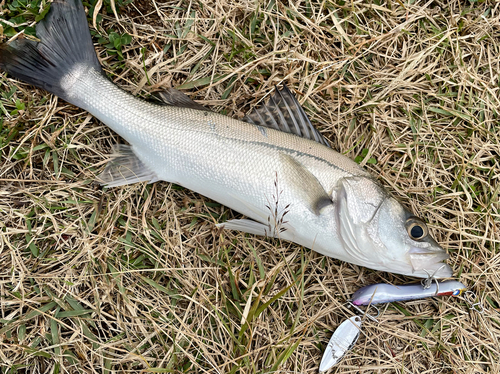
<point x="291" y="187"/>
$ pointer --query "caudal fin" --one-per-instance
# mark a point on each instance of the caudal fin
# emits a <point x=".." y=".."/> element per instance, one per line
<point x="64" y="52"/>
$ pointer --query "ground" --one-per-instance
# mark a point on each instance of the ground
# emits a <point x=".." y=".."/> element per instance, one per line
<point x="139" y="279"/>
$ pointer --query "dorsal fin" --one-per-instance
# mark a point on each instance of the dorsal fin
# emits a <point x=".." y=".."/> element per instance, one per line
<point x="284" y="113"/>
<point x="174" y="97"/>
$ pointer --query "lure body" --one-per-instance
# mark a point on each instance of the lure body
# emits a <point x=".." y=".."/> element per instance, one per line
<point x="388" y="293"/>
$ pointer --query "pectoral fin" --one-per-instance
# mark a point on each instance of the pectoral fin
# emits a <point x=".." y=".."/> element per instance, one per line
<point x="304" y="184"/>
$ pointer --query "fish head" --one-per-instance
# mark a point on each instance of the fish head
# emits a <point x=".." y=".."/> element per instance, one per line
<point x="381" y="234"/>
<point x="407" y="238"/>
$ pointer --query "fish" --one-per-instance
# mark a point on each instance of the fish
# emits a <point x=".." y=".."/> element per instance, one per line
<point x="274" y="166"/>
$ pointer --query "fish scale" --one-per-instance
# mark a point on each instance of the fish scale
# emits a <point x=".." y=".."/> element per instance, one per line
<point x="179" y="143"/>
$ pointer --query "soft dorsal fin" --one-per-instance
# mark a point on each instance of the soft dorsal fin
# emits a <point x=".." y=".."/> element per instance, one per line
<point x="284" y="113"/>
<point x="174" y="97"/>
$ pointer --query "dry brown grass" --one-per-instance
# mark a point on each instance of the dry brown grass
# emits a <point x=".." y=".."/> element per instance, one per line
<point x="138" y="279"/>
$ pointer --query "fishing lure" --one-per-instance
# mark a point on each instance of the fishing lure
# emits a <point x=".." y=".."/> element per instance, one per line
<point x="387" y="293"/>
<point x="342" y="340"/>
<point x="346" y="335"/>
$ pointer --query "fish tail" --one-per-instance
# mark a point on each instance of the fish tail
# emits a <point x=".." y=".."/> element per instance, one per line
<point x="64" y="53"/>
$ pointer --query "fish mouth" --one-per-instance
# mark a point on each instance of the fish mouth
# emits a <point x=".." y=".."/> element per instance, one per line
<point x="429" y="262"/>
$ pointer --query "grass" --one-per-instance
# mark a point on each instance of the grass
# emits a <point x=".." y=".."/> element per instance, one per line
<point x="139" y="279"/>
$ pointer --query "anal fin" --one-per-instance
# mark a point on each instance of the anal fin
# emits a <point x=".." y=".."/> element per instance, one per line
<point x="125" y="168"/>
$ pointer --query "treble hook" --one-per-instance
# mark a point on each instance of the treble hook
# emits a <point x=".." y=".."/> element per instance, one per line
<point x="427" y="283"/>
<point x="469" y="298"/>
<point x="373" y="318"/>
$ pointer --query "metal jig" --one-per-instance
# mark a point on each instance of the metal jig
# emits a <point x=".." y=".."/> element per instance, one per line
<point x="343" y="339"/>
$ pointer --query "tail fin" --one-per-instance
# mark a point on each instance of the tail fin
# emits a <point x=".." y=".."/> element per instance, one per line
<point x="64" y="52"/>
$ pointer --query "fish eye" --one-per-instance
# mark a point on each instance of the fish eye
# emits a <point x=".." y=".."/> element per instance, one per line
<point x="416" y="228"/>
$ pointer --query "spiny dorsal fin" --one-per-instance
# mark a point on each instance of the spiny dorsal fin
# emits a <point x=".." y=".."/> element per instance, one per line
<point x="174" y="97"/>
<point x="284" y="113"/>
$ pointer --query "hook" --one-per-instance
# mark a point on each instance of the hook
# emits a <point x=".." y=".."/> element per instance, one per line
<point x="426" y="283"/>
<point x="373" y="318"/>
<point x="469" y="297"/>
